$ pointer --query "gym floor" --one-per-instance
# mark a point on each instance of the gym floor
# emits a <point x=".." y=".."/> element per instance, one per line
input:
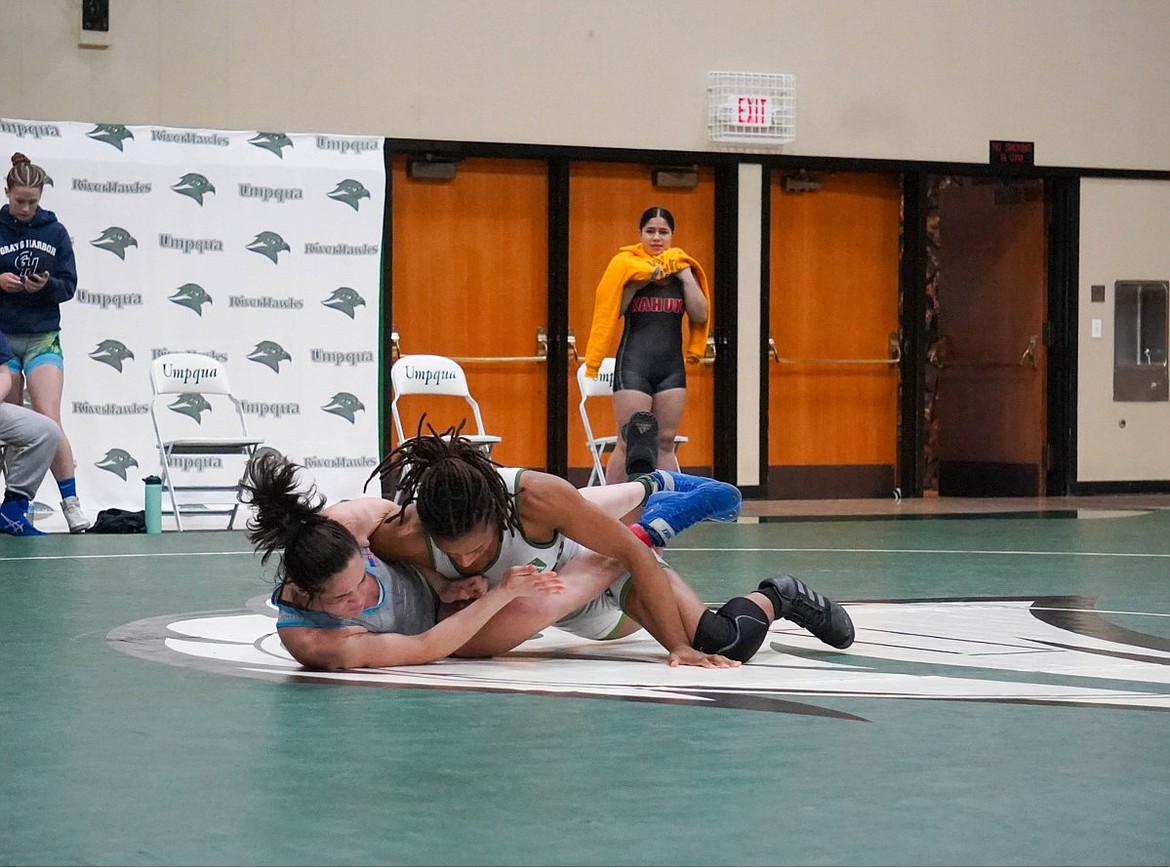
<point x="1004" y="704"/>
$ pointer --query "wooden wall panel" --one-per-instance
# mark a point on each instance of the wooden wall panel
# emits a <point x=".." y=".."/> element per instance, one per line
<point x="834" y="295"/>
<point x="993" y="286"/>
<point x="470" y="279"/>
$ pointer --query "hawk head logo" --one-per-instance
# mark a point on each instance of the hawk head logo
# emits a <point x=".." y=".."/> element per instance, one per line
<point x="117" y="462"/>
<point x="111" y="352"/>
<point x="345" y="405"/>
<point x="115" y="239"/>
<point x="193" y="296"/>
<point x="271" y="142"/>
<point x="111" y="134"/>
<point x="350" y="192"/>
<point x="268" y="244"/>
<point x="345" y="300"/>
<point x="270" y="354"/>
<point x="191" y="404"/>
<point x="194" y="186"/>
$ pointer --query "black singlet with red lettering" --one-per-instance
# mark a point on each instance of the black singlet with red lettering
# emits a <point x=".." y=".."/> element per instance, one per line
<point x="650" y="357"/>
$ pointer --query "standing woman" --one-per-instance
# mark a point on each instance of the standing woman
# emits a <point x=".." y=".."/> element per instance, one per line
<point x="37" y="273"/>
<point x="651" y="285"/>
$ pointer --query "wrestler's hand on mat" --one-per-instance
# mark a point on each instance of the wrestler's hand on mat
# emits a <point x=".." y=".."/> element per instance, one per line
<point x="471" y="588"/>
<point x="527" y="581"/>
<point x="685" y="655"/>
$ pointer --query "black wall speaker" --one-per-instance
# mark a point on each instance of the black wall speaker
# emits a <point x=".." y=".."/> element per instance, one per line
<point x="95" y="15"/>
<point x="95" y="24"/>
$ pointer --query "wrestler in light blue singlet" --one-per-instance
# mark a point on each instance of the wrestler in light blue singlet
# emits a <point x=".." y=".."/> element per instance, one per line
<point x="406" y="604"/>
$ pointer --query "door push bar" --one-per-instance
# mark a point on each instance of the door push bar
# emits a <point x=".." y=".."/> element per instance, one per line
<point x="894" y="358"/>
<point x="541" y="350"/>
<point x="1028" y="356"/>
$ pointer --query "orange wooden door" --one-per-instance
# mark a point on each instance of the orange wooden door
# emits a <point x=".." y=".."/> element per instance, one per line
<point x="833" y="391"/>
<point x="605" y="202"/>
<point x="470" y="280"/>
<point x="992" y="289"/>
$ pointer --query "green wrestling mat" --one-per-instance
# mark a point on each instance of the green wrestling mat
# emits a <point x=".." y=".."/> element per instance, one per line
<point x="1004" y="704"/>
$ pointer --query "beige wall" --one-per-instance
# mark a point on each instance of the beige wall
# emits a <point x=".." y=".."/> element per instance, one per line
<point x="1124" y="226"/>
<point x="1087" y="80"/>
<point x="900" y="79"/>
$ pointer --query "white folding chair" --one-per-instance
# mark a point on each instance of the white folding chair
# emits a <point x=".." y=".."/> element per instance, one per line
<point x="424" y="374"/>
<point x="197" y="421"/>
<point x="602" y="387"/>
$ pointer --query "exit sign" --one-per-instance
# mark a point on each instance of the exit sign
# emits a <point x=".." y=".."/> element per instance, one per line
<point x="749" y="111"/>
<point x="1012" y="153"/>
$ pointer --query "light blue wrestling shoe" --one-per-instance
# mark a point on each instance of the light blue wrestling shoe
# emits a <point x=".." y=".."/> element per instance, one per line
<point x="684" y="500"/>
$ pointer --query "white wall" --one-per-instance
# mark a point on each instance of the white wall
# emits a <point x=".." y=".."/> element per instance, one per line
<point x="899" y="79"/>
<point x="1124" y="226"/>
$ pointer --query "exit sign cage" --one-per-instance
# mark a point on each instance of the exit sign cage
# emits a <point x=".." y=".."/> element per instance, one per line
<point x="751" y="108"/>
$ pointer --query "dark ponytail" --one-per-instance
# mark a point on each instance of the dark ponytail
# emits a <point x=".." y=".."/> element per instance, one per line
<point x="312" y="548"/>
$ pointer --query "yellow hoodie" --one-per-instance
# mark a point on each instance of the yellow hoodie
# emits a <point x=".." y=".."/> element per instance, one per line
<point x="634" y="263"/>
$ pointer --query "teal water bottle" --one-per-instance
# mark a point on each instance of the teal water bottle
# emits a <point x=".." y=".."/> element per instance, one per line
<point x="153" y="504"/>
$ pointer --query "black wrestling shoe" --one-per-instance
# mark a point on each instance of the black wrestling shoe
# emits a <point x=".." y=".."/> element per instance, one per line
<point x="641" y="436"/>
<point x="815" y="612"/>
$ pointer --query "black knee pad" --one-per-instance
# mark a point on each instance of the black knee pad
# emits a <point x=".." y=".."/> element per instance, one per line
<point x="737" y="630"/>
<point x="641" y="437"/>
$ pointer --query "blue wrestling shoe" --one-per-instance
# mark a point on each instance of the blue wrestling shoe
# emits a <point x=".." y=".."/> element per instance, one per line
<point x="672" y="480"/>
<point x="14" y="521"/>
<point x="670" y="512"/>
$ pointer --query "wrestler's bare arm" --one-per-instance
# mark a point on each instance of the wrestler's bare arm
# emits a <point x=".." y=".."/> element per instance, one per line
<point x="356" y="647"/>
<point x="375" y="522"/>
<point x="552" y="504"/>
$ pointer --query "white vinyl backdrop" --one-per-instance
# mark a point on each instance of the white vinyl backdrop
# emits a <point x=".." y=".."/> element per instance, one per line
<point x="260" y="248"/>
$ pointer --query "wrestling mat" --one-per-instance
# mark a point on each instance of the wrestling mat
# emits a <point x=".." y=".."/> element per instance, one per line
<point x="1025" y="650"/>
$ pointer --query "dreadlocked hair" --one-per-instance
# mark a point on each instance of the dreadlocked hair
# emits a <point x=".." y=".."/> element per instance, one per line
<point x="452" y="483"/>
<point x="312" y="548"/>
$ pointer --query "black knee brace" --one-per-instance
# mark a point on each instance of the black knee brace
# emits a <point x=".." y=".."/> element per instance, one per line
<point x="641" y="437"/>
<point x="737" y="630"/>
